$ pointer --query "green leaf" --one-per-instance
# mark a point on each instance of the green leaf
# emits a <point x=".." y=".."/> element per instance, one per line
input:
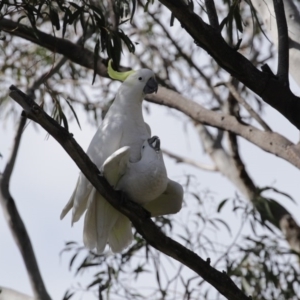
<point x="133" y="10"/>
<point x="96" y="281"/>
<point x="222" y="203"/>
<point x="74" y="113"/>
<point x="54" y="18"/>
<point x="278" y="192"/>
<point x="74" y="16"/>
<point x="67" y="15"/>
<point x="238" y="19"/>
<point x="127" y="41"/>
<point x="96" y="56"/>
<point x="68" y="295"/>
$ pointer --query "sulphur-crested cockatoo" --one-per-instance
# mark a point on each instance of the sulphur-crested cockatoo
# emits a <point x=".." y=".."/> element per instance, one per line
<point x="122" y="126"/>
<point x="142" y="181"/>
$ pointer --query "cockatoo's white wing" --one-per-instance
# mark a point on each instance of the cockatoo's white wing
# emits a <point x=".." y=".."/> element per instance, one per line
<point x="115" y="165"/>
<point x="146" y="179"/>
<point x="169" y="202"/>
<point x="79" y="198"/>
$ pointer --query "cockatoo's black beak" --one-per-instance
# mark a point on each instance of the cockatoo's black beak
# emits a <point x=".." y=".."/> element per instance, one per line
<point x="154" y="142"/>
<point x="151" y="86"/>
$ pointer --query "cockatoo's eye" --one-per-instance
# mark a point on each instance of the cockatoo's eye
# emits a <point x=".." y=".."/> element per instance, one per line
<point x="140" y="78"/>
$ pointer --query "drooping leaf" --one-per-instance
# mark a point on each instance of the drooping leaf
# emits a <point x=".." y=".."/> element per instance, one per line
<point x="96" y="56"/>
<point x="74" y="113"/>
<point x="54" y="18"/>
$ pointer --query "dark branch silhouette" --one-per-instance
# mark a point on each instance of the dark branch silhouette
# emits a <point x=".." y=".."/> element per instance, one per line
<point x="16" y="224"/>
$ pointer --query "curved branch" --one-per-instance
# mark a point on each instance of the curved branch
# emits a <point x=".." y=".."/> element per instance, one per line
<point x="74" y="52"/>
<point x="246" y="105"/>
<point x="212" y="14"/>
<point x="273" y="91"/>
<point x="16" y="224"/>
<point x="269" y="141"/>
<point x="186" y="160"/>
<point x="138" y="216"/>
<point x="283" y="42"/>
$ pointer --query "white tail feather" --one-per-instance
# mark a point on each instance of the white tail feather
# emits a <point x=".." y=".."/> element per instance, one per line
<point x="120" y="236"/>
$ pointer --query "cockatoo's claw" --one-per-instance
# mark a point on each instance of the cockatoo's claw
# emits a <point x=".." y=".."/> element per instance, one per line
<point x="123" y="197"/>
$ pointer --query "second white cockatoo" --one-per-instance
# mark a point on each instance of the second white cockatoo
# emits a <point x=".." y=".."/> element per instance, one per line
<point x="122" y="126"/>
<point x="143" y="181"/>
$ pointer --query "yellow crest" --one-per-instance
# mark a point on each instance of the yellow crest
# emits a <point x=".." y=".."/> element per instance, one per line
<point x="117" y="75"/>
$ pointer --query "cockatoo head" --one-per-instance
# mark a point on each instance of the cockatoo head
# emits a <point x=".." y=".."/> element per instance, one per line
<point x="142" y="80"/>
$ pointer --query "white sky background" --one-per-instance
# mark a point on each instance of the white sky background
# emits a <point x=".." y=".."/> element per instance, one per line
<point x="44" y="178"/>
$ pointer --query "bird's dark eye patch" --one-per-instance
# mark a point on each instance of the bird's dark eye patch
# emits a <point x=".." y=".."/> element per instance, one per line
<point x="144" y="147"/>
<point x="140" y="78"/>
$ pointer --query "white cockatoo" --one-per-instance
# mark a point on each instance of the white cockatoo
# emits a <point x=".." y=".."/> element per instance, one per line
<point x="122" y="126"/>
<point x="142" y="181"/>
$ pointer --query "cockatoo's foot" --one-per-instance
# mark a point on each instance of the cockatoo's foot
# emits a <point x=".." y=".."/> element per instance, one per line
<point x="123" y="198"/>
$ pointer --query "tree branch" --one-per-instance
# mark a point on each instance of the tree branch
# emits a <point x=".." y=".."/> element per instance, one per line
<point x="269" y="141"/>
<point x="232" y="167"/>
<point x="57" y="67"/>
<point x="16" y="224"/>
<point x="212" y="14"/>
<point x="273" y="91"/>
<point x="224" y="162"/>
<point x="184" y="55"/>
<point x="74" y="52"/>
<point x="247" y="106"/>
<point x="138" y="216"/>
<point x="186" y="160"/>
<point x="283" y="42"/>
<point x="10" y="294"/>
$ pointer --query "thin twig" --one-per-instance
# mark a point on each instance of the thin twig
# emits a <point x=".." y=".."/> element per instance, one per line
<point x="243" y="102"/>
<point x="114" y="20"/>
<point x="186" y="160"/>
<point x="283" y="42"/>
<point x="16" y="224"/>
<point x="212" y="14"/>
<point x="224" y="162"/>
<point x="57" y="67"/>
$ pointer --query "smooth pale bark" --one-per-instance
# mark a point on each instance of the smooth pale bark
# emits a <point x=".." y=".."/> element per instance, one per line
<point x="10" y="294"/>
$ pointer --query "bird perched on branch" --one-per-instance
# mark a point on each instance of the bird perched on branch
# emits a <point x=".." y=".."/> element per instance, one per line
<point x="122" y="126"/>
<point x="142" y="181"/>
